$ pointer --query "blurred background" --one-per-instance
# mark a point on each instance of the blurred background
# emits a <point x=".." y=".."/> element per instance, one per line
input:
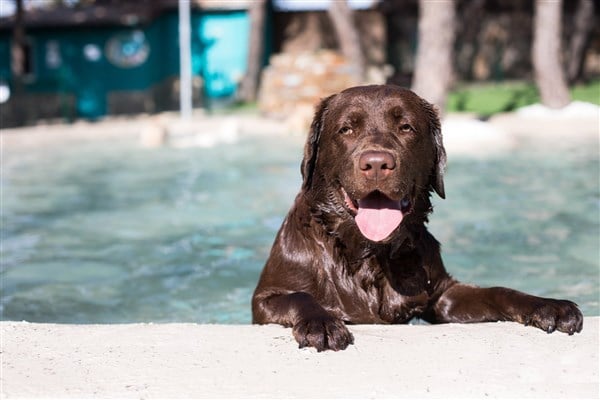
<point x="69" y="59"/>
<point x="150" y="149"/>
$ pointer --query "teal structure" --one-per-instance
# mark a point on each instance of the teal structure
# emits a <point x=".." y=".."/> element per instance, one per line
<point x="89" y="63"/>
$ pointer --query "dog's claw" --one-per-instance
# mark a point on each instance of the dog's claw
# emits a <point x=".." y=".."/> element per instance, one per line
<point x="552" y="315"/>
<point x="323" y="333"/>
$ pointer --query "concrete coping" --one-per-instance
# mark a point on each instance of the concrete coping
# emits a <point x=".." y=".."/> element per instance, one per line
<point x="498" y="360"/>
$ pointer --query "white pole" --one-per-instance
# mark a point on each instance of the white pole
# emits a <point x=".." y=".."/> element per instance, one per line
<point x="185" y="60"/>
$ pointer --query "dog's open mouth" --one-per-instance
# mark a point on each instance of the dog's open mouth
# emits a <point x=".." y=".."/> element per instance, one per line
<point x="376" y="215"/>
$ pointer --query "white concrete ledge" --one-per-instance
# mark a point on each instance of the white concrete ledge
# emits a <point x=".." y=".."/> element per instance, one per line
<point x="208" y="361"/>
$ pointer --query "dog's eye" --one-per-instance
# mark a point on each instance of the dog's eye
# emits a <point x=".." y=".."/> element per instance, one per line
<point x="405" y="128"/>
<point x="346" y="130"/>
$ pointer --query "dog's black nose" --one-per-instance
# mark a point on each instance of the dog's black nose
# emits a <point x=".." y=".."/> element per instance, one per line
<point x="376" y="164"/>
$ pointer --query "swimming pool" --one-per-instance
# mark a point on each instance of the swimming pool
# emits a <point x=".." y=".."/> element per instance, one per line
<point x="104" y="231"/>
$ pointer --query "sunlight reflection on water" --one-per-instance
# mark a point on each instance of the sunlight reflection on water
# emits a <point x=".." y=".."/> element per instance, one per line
<point x="106" y="232"/>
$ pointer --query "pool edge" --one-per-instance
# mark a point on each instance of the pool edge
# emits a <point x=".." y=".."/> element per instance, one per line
<point x="249" y="361"/>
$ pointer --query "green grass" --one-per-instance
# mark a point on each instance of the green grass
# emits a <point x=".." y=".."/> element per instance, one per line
<point x="233" y="108"/>
<point x="484" y="99"/>
<point x="589" y="92"/>
<point x="489" y="99"/>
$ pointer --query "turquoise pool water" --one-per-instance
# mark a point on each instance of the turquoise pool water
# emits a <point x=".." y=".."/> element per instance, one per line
<point x="107" y="232"/>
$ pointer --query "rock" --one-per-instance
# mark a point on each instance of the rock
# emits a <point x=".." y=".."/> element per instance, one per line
<point x="295" y="83"/>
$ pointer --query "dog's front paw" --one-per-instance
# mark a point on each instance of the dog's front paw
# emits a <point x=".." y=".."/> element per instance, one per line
<point x="323" y="333"/>
<point x="551" y="315"/>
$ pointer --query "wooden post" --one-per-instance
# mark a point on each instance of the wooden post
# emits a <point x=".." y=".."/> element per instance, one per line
<point x="249" y="85"/>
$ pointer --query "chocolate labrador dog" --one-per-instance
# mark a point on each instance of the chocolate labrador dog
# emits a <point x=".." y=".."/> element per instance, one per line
<point x="354" y="248"/>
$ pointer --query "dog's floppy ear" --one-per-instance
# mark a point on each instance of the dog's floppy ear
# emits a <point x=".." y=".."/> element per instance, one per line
<point x="437" y="175"/>
<point x="311" y="148"/>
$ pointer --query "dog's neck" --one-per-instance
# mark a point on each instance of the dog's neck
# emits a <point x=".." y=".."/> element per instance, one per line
<point x="396" y="260"/>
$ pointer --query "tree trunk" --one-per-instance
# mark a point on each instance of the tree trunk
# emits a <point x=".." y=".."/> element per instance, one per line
<point x="249" y="85"/>
<point x="342" y="18"/>
<point x="18" y="43"/>
<point x="17" y="64"/>
<point x="580" y="39"/>
<point x="547" y="68"/>
<point x="433" y="66"/>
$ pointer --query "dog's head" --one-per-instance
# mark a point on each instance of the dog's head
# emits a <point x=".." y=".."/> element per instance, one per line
<point x="378" y="152"/>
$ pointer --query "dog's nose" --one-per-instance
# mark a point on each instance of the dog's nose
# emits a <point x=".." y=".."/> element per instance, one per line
<point x="376" y="164"/>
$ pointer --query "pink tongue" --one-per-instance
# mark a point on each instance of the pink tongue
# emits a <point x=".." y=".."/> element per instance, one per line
<point x="378" y="216"/>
